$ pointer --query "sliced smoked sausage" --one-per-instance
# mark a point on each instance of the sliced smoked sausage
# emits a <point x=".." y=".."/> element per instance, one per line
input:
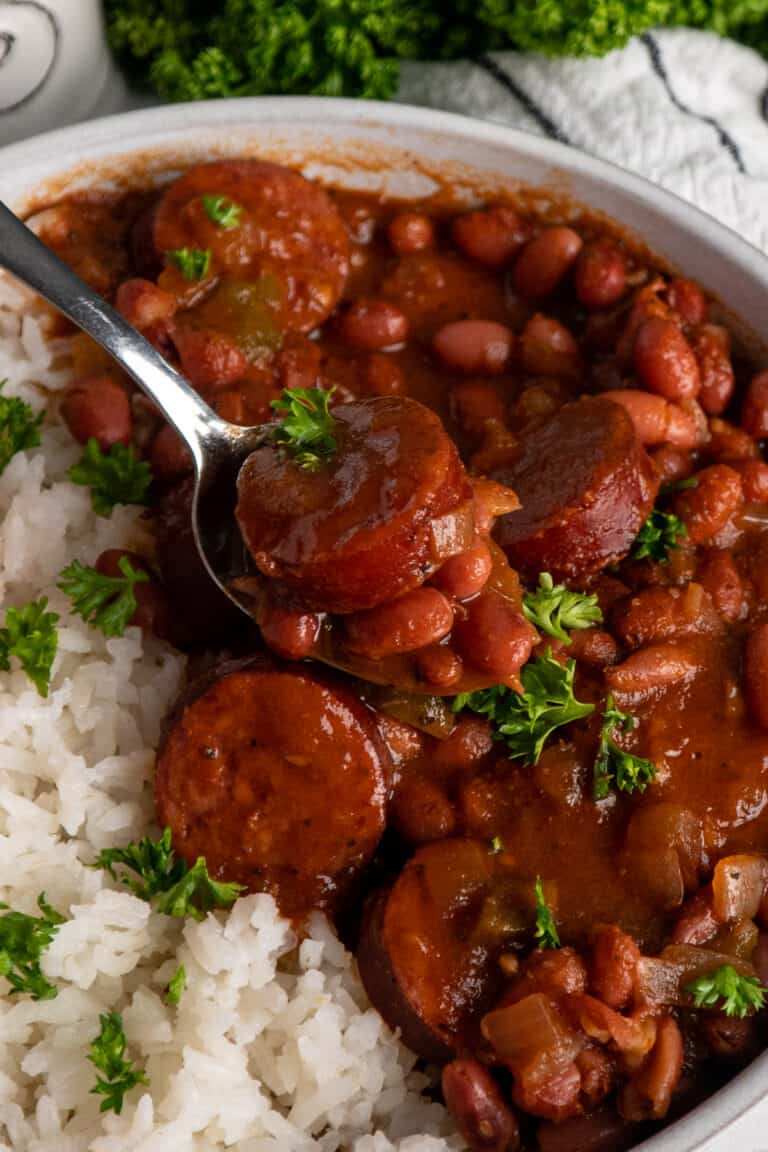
<point x="422" y="966"/>
<point x="358" y="530"/>
<point x="281" y="227"/>
<point x="585" y="485"/>
<point x="278" y="779"/>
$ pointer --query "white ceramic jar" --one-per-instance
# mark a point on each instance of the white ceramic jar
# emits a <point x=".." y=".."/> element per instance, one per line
<point x="55" y="65"/>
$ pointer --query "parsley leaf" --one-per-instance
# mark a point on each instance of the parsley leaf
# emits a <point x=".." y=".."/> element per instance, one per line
<point x="179" y="889"/>
<point x="23" y="939"/>
<point x="496" y="847"/>
<point x="552" y="608"/>
<point x="114" y="477"/>
<point x="612" y="764"/>
<point x="108" y="1057"/>
<point x="106" y="602"/>
<point x="19" y="428"/>
<point x="660" y="535"/>
<point x="740" y="995"/>
<point x="306" y="426"/>
<point x="222" y="211"/>
<point x="526" y="721"/>
<point x="546" y="932"/>
<point x="193" y="263"/>
<point x="30" y="635"/>
<point x="176" y="986"/>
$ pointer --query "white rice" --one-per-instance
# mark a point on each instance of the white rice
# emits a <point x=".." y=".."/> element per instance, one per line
<point x="272" y="1046"/>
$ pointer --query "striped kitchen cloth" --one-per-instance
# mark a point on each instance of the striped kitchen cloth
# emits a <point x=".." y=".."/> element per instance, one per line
<point x="687" y="109"/>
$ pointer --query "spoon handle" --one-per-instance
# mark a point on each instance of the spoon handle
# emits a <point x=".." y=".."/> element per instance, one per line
<point x="28" y="258"/>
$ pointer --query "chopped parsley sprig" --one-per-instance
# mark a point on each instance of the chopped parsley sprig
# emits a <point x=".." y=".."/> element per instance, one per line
<point x="306" y="427"/>
<point x="613" y="766"/>
<point x="660" y="535"/>
<point x="30" y="636"/>
<point x="554" y="609"/>
<point x="226" y="213"/>
<point x="23" y="939"/>
<point x="725" y="989"/>
<point x="158" y="875"/>
<point x="546" y="930"/>
<point x="114" y="477"/>
<point x="106" y="602"/>
<point x="176" y="986"/>
<point x="525" y="721"/>
<point x="193" y="263"/>
<point x="19" y="428"/>
<point x="107" y="1055"/>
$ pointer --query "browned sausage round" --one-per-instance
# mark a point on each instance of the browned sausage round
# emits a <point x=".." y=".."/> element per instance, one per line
<point x="586" y="486"/>
<point x="277" y="778"/>
<point x="98" y="407"/>
<point x="357" y="531"/>
<point x="287" y="229"/>
<point x="418" y="961"/>
<point x="473" y="1098"/>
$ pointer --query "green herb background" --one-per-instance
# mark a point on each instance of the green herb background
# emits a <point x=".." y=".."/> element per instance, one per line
<point x="193" y="49"/>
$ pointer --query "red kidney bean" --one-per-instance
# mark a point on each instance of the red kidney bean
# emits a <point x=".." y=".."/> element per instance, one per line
<point x="599" y="1132"/>
<point x="686" y="298"/>
<point x="479" y="346"/>
<point x="696" y="922"/>
<point x="653" y="669"/>
<point x="494" y="637"/>
<point x="649" y="1093"/>
<point x="468" y="745"/>
<point x="544" y="262"/>
<point x="594" y="648"/>
<point x="547" y="348"/>
<point x="152" y="612"/>
<point x="754" y="480"/>
<point x="712" y="349"/>
<point x="756" y="673"/>
<point x="706" y="509"/>
<point x="465" y="575"/>
<point x="473" y="1098"/>
<point x="439" y="665"/>
<point x="421" y="811"/>
<point x="718" y="575"/>
<point x="98" y="407"/>
<point x="290" y="633"/>
<point x="754" y="412"/>
<point x="727" y="1037"/>
<point x="143" y="303"/>
<point x="614" y="962"/>
<point x="383" y="376"/>
<point x="491" y="236"/>
<point x="729" y="443"/>
<point x="169" y="457"/>
<point x="646" y="303"/>
<point x="371" y="324"/>
<point x="657" y="421"/>
<point x="412" y="621"/>
<point x="410" y="232"/>
<point x="664" y="361"/>
<point x="473" y="403"/>
<point x="298" y="362"/>
<point x="210" y="360"/>
<point x="553" y="972"/>
<point x="600" y="275"/>
<point x="671" y="464"/>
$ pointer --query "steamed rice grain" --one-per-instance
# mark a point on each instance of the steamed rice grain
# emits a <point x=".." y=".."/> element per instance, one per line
<point x="273" y="1045"/>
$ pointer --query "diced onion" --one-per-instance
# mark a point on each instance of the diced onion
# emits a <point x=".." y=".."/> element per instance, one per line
<point x="664" y="979"/>
<point x="530" y="1030"/>
<point x="737" y="887"/>
<point x="453" y="533"/>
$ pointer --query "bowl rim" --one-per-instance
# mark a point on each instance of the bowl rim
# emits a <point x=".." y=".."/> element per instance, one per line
<point x="155" y="125"/>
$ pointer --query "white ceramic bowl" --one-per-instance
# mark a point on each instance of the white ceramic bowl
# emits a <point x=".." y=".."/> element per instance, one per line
<point x="407" y="152"/>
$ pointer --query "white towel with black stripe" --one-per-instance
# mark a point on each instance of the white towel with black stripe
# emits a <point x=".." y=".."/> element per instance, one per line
<point x="687" y="109"/>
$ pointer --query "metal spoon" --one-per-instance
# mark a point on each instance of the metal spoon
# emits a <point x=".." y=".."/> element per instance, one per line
<point x="218" y="449"/>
